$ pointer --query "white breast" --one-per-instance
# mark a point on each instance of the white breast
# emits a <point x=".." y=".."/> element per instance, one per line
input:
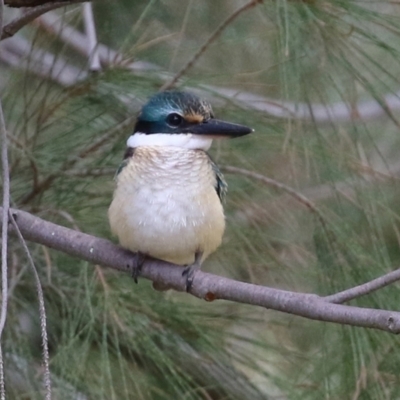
<point x="165" y="204"/>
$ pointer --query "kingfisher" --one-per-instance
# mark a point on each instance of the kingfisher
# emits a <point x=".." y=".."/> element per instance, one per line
<point x="168" y="199"/>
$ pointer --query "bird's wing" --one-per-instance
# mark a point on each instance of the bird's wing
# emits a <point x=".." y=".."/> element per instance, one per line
<point x="128" y="154"/>
<point x="221" y="186"/>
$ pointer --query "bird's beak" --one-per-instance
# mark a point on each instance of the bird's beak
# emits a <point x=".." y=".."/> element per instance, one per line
<point x="216" y="128"/>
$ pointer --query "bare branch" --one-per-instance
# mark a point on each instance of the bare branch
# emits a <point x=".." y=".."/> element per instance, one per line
<point x="4" y="226"/>
<point x="6" y="203"/>
<point x="4" y="230"/>
<point x="14" y="26"/>
<point x="90" y="29"/>
<point x="206" y="286"/>
<point x="31" y="3"/>
<point x="214" y="35"/>
<point x="366" y="288"/>
<point x="345" y="295"/>
<point x="84" y="173"/>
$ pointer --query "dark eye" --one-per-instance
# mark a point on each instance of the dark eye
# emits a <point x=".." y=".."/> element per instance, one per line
<point x="174" y="119"/>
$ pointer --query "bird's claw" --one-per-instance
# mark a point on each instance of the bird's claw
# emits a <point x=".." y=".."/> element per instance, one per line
<point x="189" y="273"/>
<point x="136" y="266"/>
<point x="190" y="270"/>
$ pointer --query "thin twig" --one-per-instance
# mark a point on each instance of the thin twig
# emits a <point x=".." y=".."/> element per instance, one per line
<point x="181" y="34"/>
<point x="4" y="230"/>
<point x="277" y="185"/>
<point x="330" y="234"/>
<point x="4" y="227"/>
<point x="206" y="286"/>
<point x="211" y="39"/>
<point x="14" y="26"/>
<point x="84" y="173"/>
<point x="42" y="311"/>
<point x="345" y="295"/>
<point x="365" y="288"/>
<point x="30" y="3"/>
<point x="90" y="29"/>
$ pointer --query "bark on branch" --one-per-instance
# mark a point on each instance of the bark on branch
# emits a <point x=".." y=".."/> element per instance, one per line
<point x="31" y="3"/>
<point x="206" y="286"/>
<point x="34" y="12"/>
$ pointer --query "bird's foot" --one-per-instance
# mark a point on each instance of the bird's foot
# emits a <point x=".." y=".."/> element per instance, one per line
<point x="14" y="216"/>
<point x="190" y="270"/>
<point x="135" y="266"/>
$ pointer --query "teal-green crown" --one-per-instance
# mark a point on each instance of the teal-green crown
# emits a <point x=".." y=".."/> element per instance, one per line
<point x="176" y="112"/>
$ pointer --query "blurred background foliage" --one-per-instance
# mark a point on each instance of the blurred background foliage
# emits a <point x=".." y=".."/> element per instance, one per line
<point x="331" y="69"/>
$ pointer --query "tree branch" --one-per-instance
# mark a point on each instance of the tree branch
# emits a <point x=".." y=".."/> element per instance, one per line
<point x="365" y="288"/>
<point x="14" y="26"/>
<point x="90" y="29"/>
<point x="4" y="226"/>
<point x="32" y="3"/>
<point x="5" y="208"/>
<point x="206" y="286"/>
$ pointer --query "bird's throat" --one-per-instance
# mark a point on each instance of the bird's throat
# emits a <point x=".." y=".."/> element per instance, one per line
<point x="182" y="140"/>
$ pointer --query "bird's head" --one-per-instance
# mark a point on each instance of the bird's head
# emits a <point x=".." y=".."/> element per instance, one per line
<point x="181" y="119"/>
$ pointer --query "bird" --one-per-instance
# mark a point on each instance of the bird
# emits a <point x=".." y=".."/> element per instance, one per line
<point x="169" y="193"/>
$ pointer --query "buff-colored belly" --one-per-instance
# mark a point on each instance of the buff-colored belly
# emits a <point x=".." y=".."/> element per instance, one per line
<point x="165" y="205"/>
